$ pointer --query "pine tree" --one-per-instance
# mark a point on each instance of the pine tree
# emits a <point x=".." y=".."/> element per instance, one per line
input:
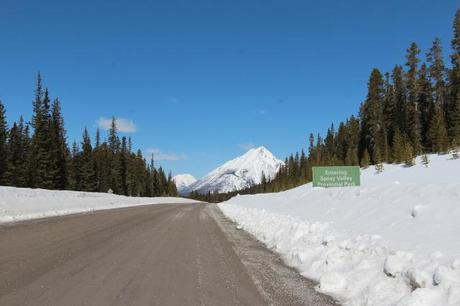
<point x="123" y="167"/>
<point x="409" y="158"/>
<point x="400" y="103"/>
<point x="389" y="109"/>
<point x="76" y="165"/>
<point x="114" y="142"/>
<point x="437" y="73"/>
<point x="372" y="121"/>
<point x="398" y="147"/>
<point x="59" y="146"/>
<point x="88" y="172"/>
<point x="17" y="155"/>
<point x="365" y="160"/>
<point x="437" y="133"/>
<point x="3" y="147"/>
<point x="453" y="118"/>
<point x="425" y="104"/>
<point x="413" y="109"/>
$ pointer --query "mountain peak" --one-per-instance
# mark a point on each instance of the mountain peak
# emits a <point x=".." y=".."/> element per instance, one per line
<point x="183" y="181"/>
<point x="241" y="172"/>
<point x="260" y="149"/>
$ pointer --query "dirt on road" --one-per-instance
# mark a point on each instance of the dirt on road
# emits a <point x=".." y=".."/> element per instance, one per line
<point x="175" y="254"/>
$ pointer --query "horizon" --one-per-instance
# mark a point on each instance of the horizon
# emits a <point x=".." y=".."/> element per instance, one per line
<point x="200" y="84"/>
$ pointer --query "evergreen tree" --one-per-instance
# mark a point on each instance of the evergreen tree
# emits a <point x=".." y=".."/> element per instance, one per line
<point x="437" y="133"/>
<point x="3" y="147"/>
<point x="88" y="171"/>
<point x="437" y="73"/>
<point x="365" y="160"/>
<point x="123" y="167"/>
<point x="413" y="110"/>
<point x="114" y="142"/>
<point x="409" y="158"/>
<point x="400" y="104"/>
<point x="454" y="104"/>
<point x="59" y="147"/>
<point x="425" y="104"/>
<point x="17" y="155"/>
<point x="372" y="122"/>
<point x="398" y="147"/>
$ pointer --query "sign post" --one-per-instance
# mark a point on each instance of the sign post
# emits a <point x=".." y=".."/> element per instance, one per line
<point x="340" y="176"/>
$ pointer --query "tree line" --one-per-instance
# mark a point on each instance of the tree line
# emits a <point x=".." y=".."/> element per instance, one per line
<point x="413" y="109"/>
<point x="35" y="154"/>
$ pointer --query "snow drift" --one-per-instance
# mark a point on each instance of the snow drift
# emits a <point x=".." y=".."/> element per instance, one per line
<point x="18" y="204"/>
<point x="392" y="241"/>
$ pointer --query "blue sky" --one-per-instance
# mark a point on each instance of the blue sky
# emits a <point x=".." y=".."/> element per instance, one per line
<point x="198" y="82"/>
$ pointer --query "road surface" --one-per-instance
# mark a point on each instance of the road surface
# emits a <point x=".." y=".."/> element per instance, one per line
<point x="173" y="254"/>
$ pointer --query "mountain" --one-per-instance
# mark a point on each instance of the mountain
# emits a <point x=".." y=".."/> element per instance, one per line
<point x="240" y="173"/>
<point x="183" y="181"/>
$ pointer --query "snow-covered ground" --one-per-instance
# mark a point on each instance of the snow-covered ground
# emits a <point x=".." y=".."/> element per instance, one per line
<point x="393" y="241"/>
<point x="18" y="204"/>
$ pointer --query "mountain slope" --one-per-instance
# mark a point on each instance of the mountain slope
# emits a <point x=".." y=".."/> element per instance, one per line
<point x="240" y="173"/>
<point x="183" y="181"/>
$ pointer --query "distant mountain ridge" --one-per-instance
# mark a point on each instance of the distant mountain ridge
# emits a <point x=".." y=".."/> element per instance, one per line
<point x="239" y="173"/>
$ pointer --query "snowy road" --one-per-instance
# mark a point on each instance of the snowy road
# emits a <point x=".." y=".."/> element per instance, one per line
<point x="147" y="255"/>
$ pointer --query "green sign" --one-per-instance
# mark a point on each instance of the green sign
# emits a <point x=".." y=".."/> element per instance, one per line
<point x="345" y="176"/>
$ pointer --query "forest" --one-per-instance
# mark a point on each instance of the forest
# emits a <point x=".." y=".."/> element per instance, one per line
<point x="35" y="154"/>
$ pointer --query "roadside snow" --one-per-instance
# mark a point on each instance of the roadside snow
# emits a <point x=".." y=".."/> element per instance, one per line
<point x="393" y="241"/>
<point x="18" y="204"/>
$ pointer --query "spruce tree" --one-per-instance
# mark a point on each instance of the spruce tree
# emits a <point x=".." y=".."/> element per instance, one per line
<point x="413" y="109"/>
<point x="425" y="104"/>
<point x="398" y="147"/>
<point x="409" y="157"/>
<point x="17" y="155"/>
<point x="400" y="103"/>
<point x="123" y="167"/>
<point x="59" y="147"/>
<point x="437" y="133"/>
<point x="453" y="118"/>
<point x="88" y="173"/>
<point x="372" y="121"/>
<point x="437" y="73"/>
<point x="365" y="160"/>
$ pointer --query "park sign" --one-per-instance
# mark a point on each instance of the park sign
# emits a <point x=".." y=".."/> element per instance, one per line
<point x="341" y="176"/>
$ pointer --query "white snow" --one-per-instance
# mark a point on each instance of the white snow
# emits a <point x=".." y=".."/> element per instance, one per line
<point x="18" y="204"/>
<point x="239" y="173"/>
<point x="183" y="181"/>
<point x="395" y="240"/>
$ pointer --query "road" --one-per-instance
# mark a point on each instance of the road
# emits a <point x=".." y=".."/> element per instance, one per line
<point x="173" y="254"/>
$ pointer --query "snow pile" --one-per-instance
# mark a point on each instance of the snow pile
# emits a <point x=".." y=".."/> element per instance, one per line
<point x="392" y="241"/>
<point x="18" y="204"/>
<point x="183" y="181"/>
<point x="239" y="173"/>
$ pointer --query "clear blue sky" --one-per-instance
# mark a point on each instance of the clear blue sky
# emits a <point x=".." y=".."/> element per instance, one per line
<point x="200" y="80"/>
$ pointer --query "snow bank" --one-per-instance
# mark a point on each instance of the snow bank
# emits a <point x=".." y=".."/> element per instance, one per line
<point x="393" y="241"/>
<point x="18" y="204"/>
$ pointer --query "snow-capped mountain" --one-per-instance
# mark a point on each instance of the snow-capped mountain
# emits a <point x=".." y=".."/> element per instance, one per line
<point x="240" y="173"/>
<point x="183" y="181"/>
